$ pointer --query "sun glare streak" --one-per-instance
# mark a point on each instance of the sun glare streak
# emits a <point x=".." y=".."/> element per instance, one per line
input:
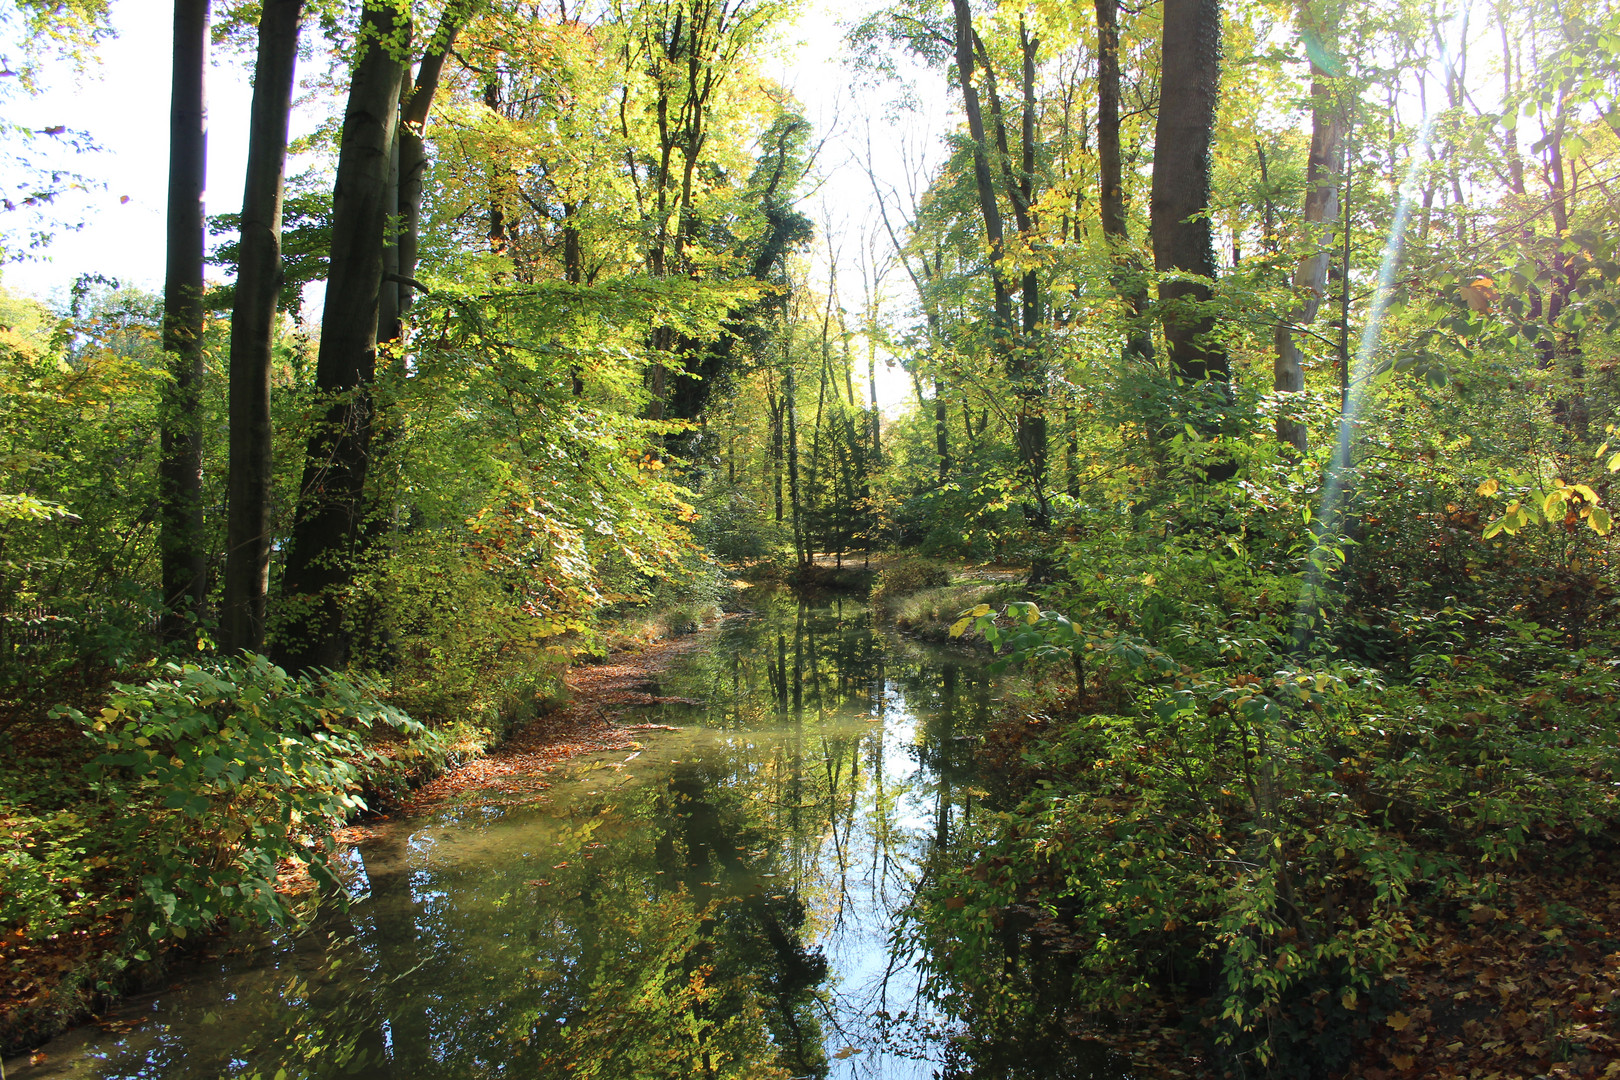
<point x="1310" y="610"/>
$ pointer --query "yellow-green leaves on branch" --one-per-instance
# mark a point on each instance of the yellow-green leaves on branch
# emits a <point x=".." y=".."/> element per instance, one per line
<point x="1603" y="451"/>
<point x="1568" y="504"/>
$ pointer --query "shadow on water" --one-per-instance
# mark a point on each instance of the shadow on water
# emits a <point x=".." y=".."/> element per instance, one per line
<point x="729" y="901"/>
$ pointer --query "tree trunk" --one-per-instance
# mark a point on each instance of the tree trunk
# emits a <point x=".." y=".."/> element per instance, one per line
<point x="180" y="536"/>
<point x="1183" y="137"/>
<point x="319" y="562"/>
<point x="413" y="159"/>
<point x="253" y="316"/>
<point x="1328" y="124"/>
<point x="871" y="389"/>
<point x="1128" y="279"/>
<point x="790" y="391"/>
<point x="983" y="184"/>
<point x="777" y="409"/>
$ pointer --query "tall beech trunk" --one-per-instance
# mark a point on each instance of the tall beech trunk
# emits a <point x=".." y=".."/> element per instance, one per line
<point x="413" y="160"/>
<point x="319" y="562"/>
<point x="258" y="284"/>
<point x="1128" y="278"/>
<point x="877" y="417"/>
<point x="1014" y="350"/>
<point x="180" y="516"/>
<point x="983" y="184"/>
<point x="1328" y="123"/>
<point x="403" y="206"/>
<point x="1181" y="183"/>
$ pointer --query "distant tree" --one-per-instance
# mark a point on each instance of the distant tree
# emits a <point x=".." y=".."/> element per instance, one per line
<point x="1329" y="121"/>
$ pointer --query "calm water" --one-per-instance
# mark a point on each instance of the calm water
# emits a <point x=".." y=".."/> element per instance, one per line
<point x="730" y="901"/>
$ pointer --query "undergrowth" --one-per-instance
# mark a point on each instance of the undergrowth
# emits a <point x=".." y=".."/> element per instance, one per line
<point x="176" y="809"/>
<point x="1238" y="824"/>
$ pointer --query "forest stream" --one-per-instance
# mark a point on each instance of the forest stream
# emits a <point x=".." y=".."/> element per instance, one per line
<point x="731" y="899"/>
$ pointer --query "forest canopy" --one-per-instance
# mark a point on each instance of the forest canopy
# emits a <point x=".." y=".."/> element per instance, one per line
<point x="1273" y="345"/>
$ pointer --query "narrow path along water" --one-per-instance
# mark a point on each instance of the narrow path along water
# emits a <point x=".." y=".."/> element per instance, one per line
<point x="728" y="899"/>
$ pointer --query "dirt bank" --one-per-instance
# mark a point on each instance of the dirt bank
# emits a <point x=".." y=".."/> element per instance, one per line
<point x="591" y="721"/>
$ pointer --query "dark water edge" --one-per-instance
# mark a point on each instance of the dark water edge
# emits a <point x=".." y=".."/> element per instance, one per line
<point x="731" y="900"/>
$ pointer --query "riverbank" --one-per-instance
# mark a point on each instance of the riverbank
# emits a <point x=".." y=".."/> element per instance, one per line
<point x="1382" y="880"/>
<point x="54" y="981"/>
<point x="587" y="721"/>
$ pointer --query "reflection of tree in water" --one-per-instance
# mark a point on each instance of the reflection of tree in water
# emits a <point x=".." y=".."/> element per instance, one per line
<point x="655" y="954"/>
<point x="673" y="932"/>
<point x="751" y="938"/>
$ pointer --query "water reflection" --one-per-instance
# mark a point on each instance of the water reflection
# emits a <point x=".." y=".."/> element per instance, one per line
<point x="728" y="902"/>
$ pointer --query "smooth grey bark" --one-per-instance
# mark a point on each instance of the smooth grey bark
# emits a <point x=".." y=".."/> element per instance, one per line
<point x="983" y="184"/>
<point x="1328" y="123"/>
<point x="180" y="512"/>
<point x="253" y="316"/>
<point x="413" y="162"/>
<point x="328" y="523"/>
<point x="1015" y="351"/>
<point x="790" y="391"/>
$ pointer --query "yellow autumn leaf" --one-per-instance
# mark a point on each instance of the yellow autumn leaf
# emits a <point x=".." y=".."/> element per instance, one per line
<point x="1489" y="487"/>
<point x="959" y="627"/>
<point x="1398" y="1021"/>
<point x="982" y="609"/>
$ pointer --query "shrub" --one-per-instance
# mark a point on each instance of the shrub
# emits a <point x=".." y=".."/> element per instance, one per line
<point x="910" y="576"/>
<point x="216" y="773"/>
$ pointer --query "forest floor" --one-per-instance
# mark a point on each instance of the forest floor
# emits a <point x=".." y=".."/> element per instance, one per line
<point x="1528" y="987"/>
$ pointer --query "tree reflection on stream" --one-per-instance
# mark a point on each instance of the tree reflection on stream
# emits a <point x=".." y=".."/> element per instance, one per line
<point x="726" y="902"/>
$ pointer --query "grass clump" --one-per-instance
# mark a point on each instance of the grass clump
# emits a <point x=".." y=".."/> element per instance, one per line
<point x="910" y="576"/>
<point x="929" y="613"/>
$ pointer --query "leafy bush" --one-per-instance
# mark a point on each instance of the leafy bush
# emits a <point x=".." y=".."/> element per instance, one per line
<point x="44" y="868"/>
<point x="908" y="576"/>
<point x="1268" y="842"/>
<point x="217" y="773"/>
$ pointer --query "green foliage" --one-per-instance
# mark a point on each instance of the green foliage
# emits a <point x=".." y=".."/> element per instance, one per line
<point x="906" y="576"/>
<point x="1035" y="635"/>
<point x="213" y="774"/>
<point x="78" y="450"/>
<point x="1263" y="838"/>
<point x="47" y="868"/>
